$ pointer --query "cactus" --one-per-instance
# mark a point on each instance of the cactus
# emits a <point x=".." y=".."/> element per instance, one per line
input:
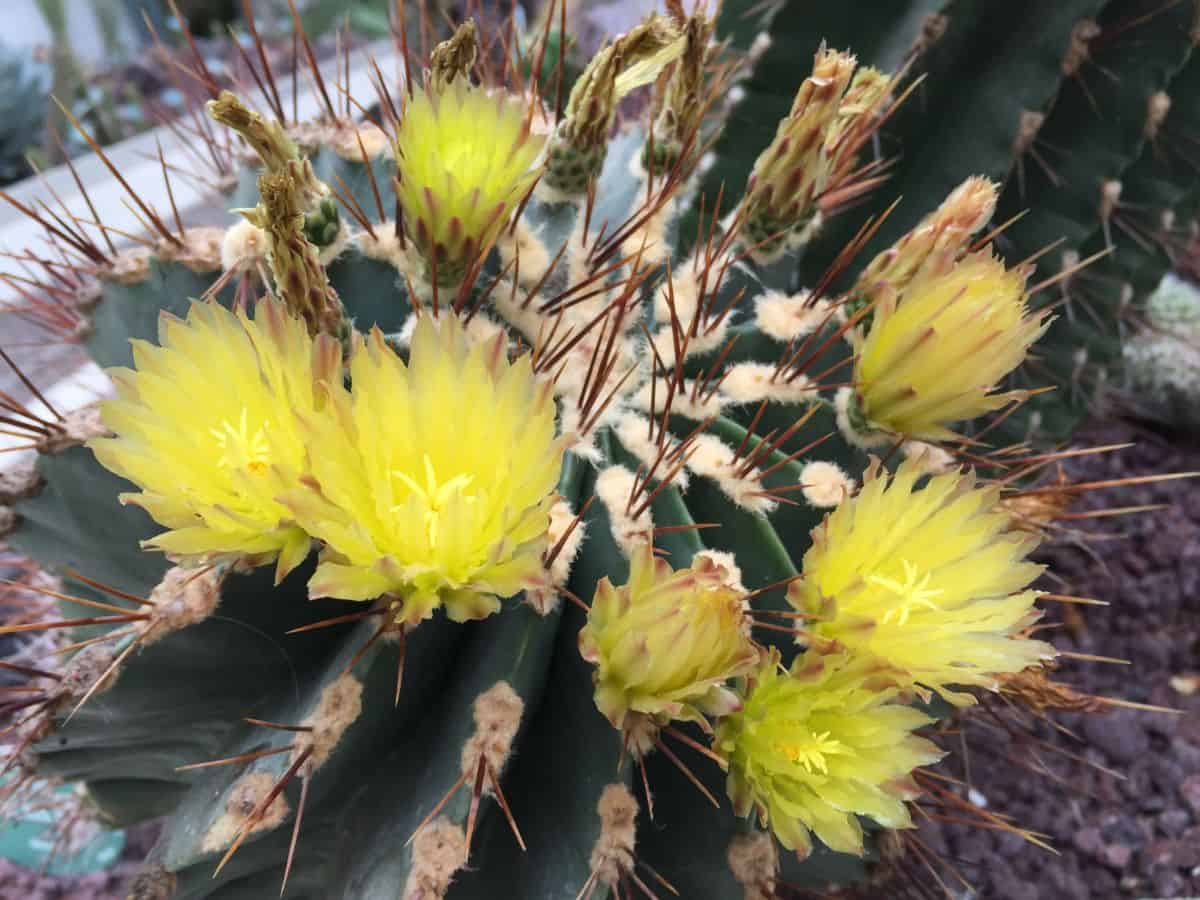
<point x="473" y="553"/>
<point x="1075" y="108"/>
<point x="1162" y="360"/>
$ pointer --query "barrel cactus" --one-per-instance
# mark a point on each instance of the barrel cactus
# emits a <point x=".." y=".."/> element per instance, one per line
<point x="454" y="529"/>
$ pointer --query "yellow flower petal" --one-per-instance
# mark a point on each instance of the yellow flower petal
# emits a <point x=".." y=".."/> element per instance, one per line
<point x="929" y="581"/>
<point x="434" y="479"/>
<point x="207" y="425"/>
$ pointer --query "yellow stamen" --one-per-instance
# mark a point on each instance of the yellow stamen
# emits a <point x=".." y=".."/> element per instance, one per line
<point x="239" y="448"/>
<point x="435" y="497"/>
<point x="911" y="593"/>
<point x="811" y="753"/>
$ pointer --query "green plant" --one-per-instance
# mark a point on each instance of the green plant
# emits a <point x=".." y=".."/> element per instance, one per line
<point x="591" y="551"/>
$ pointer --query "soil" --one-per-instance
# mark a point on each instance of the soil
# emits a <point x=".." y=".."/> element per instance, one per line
<point x="1117" y="794"/>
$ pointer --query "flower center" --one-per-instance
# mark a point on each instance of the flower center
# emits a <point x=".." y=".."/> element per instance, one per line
<point x="434" y="496"/>
<point x="239" y="448"/>
<point x="811" y="751"/>
<point x="912" y="592"/>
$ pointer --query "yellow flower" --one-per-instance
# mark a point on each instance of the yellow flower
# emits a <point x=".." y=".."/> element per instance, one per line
<point x="666" y="642"/>
<point x="467" y="158"/>
<point x="207" y="426"/>
<point x="432" y="481"/>
<point x="931" y="581"/>
<point x="934" y="357"/>
<point x="814" y="748"/>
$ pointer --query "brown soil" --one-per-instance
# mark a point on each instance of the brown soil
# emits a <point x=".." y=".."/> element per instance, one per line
<point x="1123" y="809"/>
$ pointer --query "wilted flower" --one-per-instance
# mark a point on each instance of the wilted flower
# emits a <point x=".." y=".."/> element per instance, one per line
<point x="931" y="581"/>
<point x="666" y="642"/>
<point x="207" y="426"/>
<point x="815" y="150"/>
<point x="813" y="748"/>
<point x="633" y="60"/>
<point x="934" y="357"/>
<point x="466" y="158"/>
<point x="432" y="481"/>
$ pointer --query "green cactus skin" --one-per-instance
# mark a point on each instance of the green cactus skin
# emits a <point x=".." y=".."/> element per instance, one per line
<point x="183" y="700"/>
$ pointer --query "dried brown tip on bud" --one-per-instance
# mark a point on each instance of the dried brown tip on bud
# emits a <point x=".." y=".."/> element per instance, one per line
<point x="1157" y="107"/>
<point x="300" y="279"/>
<point x="754" y="861"/>
<point x="184" y="597"/>
<point x="455" y="57"/>
<point x="85" y="669"/>
<point x="75" y="428"/>
<point x="340" y="705"/>
<point x="1078" y="49"/>
<point x="155" y="882"/>
<point x="439" y="851"/>
<point x="1029" y="123"/>
<point x="268" y="139"/>
<point x="20" y="481"/>
<point x="244" y="797"/>
<point x="497" y="717"/>
<point x="199" y="249"/>
<point x="613" y="854"/>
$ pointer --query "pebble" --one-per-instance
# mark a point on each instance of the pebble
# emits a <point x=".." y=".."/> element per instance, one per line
<point x="1120" y="735"/>
<point x="1189" y="790"/>
<point x="1172" y="822"/>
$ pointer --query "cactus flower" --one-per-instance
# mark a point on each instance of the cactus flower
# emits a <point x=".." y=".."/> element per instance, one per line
<point x="466" y="158"/>
<point x="931" y="582"/>
<point x="432" y="481"/>
<point x="206" y="424"/>
<point x="813" y="748"/>
<point x="666" y="642"/>
<point x="933" y="357"/>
